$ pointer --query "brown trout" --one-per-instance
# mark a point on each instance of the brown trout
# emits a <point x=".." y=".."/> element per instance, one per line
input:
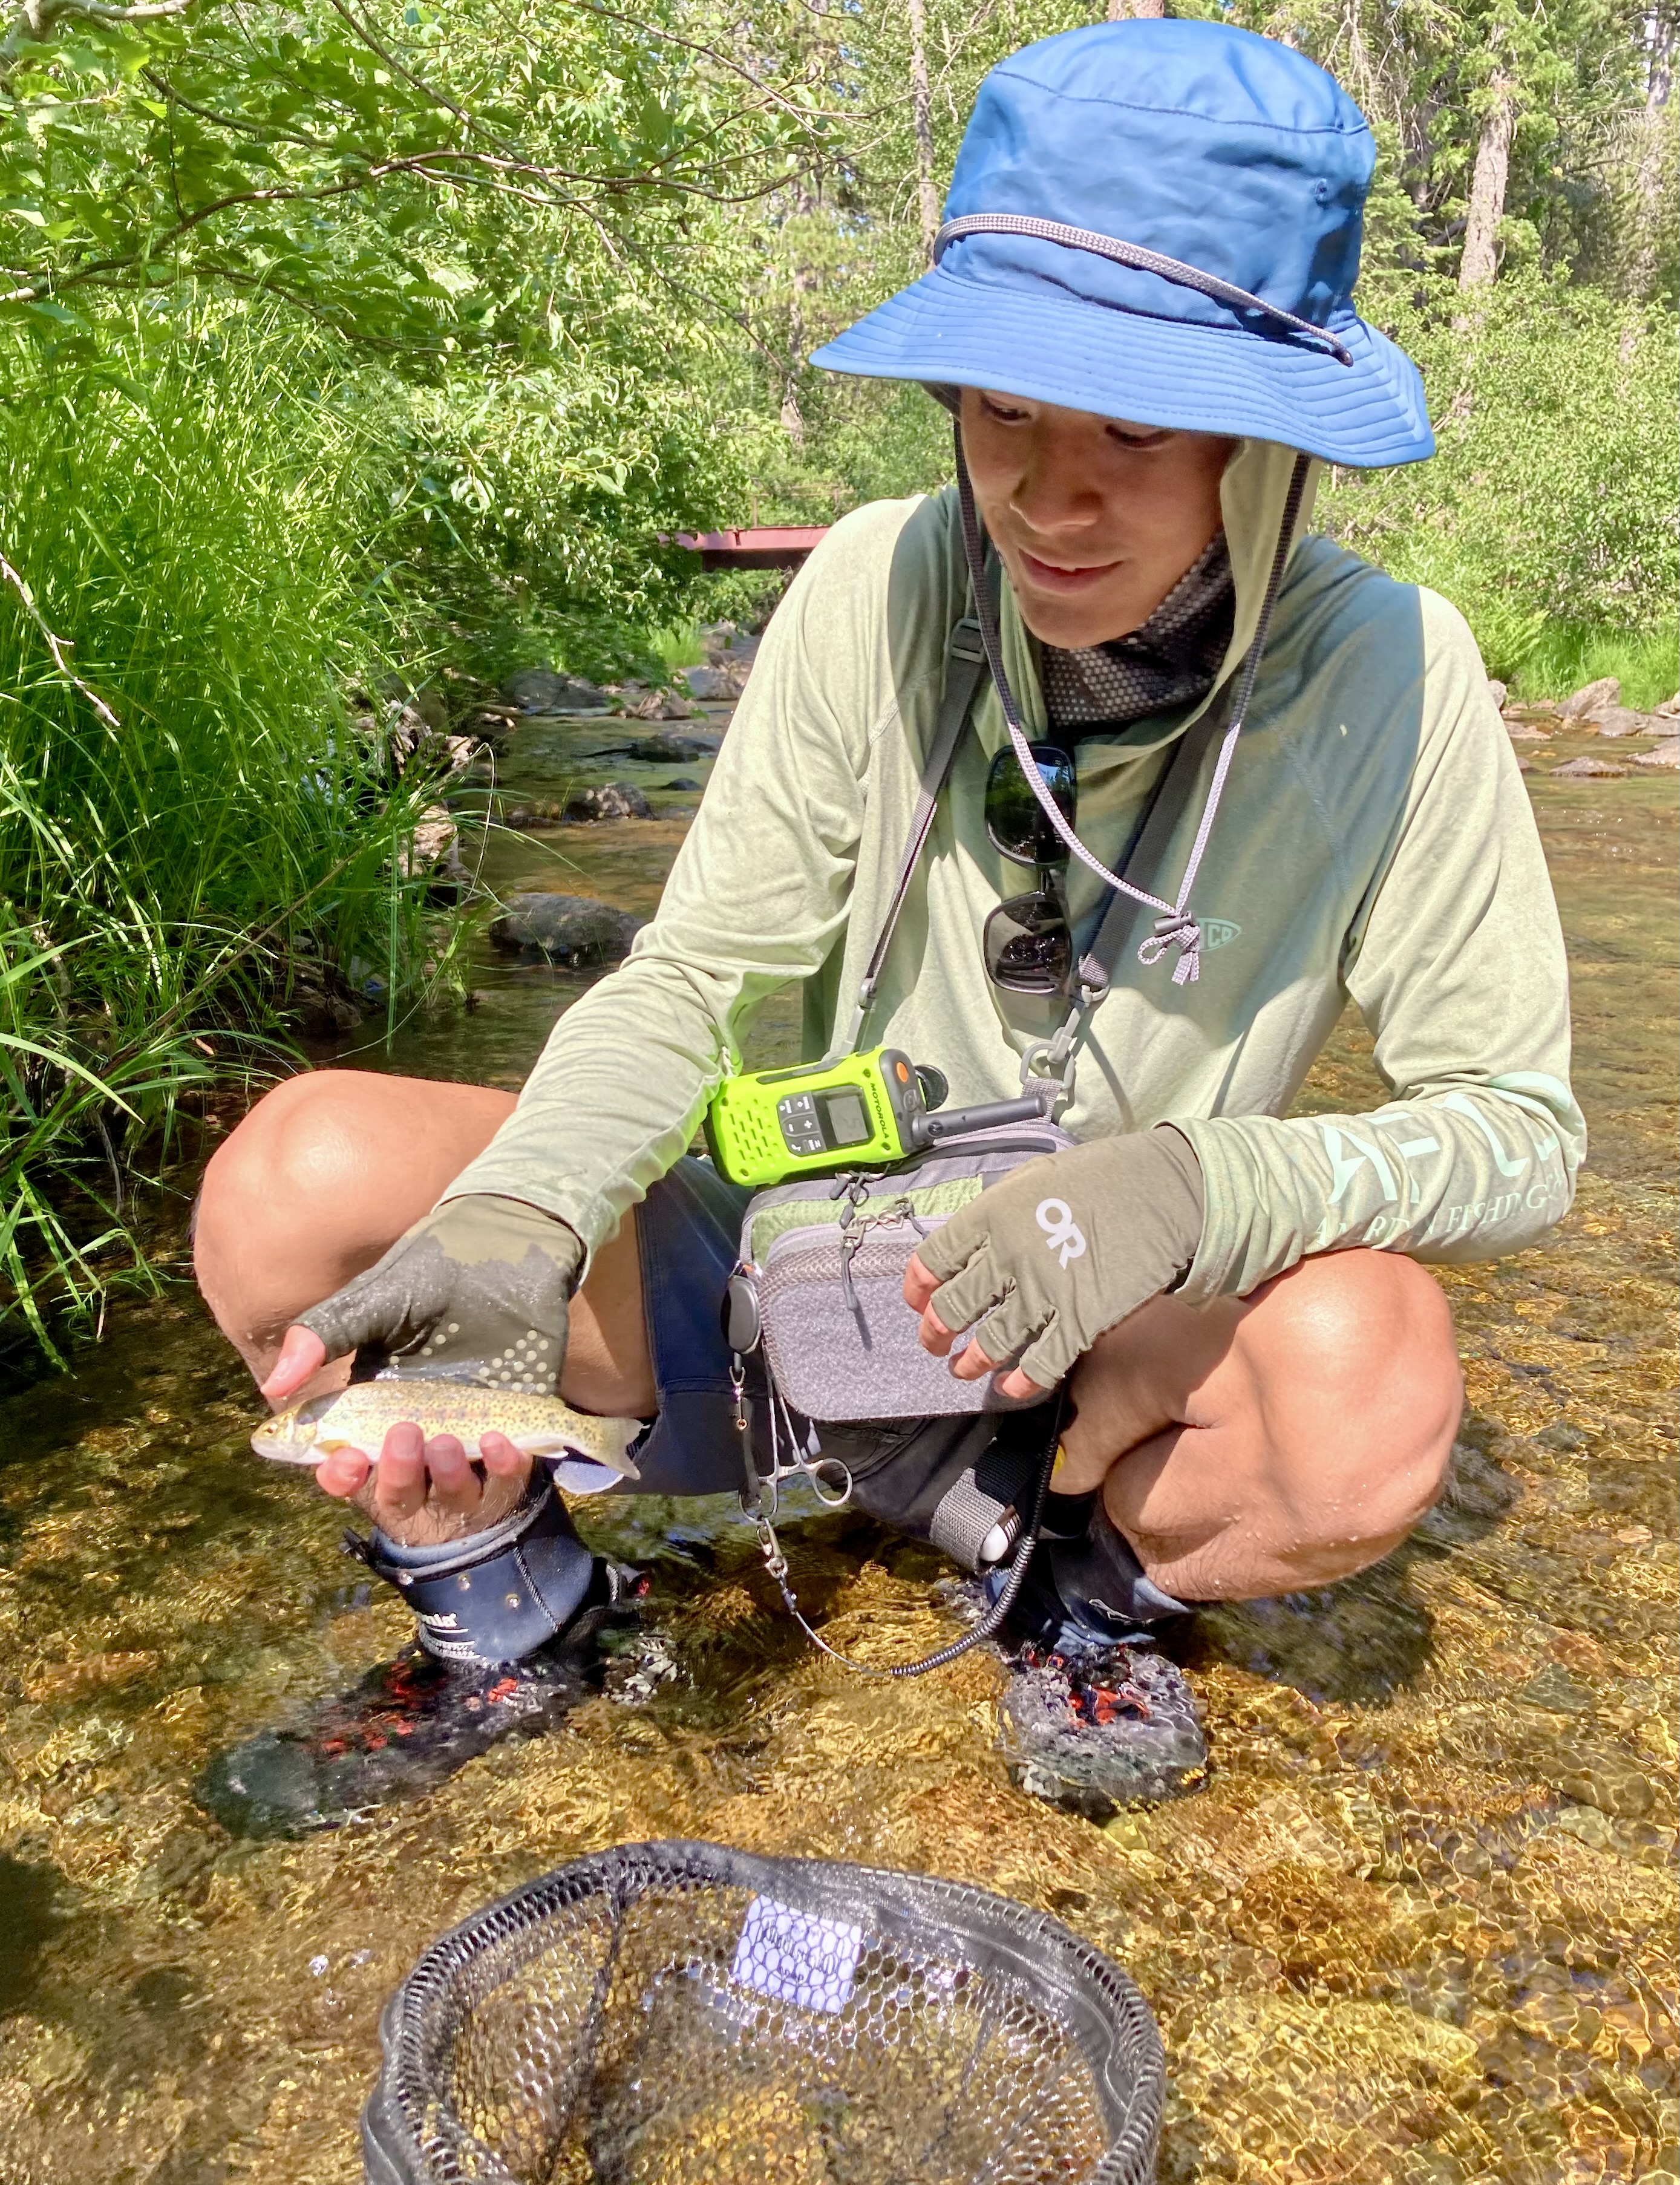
<point x="359" y="1417"/>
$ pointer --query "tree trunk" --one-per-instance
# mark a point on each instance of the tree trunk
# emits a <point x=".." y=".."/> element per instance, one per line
<point x="803" y="280"/>
<point x="921" y="119"/>
<point x="1481" y="259"/>
<point x="1641" y="272"/>
<point x="1122" y="11"/>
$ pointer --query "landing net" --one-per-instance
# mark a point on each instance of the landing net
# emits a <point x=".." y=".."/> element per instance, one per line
<point x="675" y="2013"/>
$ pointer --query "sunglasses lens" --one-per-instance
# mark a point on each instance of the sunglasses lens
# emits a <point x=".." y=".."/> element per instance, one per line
<point x="1016" y="820"/>
<point x="1028" y="948"/>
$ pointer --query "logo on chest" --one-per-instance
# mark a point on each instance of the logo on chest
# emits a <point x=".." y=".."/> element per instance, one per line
<point x="1217" y="931"/>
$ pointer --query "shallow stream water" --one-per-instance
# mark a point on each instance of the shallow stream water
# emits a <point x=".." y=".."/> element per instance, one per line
<point x="1420" y="1926"/>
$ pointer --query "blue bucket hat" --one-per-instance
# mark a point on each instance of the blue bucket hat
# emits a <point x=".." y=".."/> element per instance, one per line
<point x="1159" y="221"/>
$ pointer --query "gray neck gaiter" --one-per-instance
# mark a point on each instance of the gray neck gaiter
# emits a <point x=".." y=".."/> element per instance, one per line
<point x="1170" y="659"/>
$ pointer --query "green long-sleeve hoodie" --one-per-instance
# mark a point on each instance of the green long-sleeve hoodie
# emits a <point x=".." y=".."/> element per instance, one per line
<point x="1375" y="840"/>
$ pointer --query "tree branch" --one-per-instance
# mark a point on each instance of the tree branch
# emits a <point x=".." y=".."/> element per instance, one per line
<point x="36" y="19"/>
<point x="659" y="35"/>
<point x="58" y="646"/>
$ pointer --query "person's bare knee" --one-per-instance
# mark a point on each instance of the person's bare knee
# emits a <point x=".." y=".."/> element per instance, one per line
<point x="278" y="1212"/>
<point x="1290" y="1439"/>
<point x="1356" y="1377"/>
<point x="294" y="1154"/>
<point x="321" y="1176"/>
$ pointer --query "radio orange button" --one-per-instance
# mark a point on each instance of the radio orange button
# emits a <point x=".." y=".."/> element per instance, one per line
<point x="902" y="1071"/>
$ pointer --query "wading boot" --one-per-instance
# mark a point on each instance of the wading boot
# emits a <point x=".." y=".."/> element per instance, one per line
<point x="509" y="1622"/>
<point x="1096" y="1716"/>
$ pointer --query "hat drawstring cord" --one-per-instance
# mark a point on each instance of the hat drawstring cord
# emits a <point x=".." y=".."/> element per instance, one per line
<point x="1140" y="260"/>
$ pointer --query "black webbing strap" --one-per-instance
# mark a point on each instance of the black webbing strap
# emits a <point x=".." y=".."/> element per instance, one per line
<point x="964" y="664"/>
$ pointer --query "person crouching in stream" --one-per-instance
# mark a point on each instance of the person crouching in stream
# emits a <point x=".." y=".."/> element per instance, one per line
<point x="1140" y="318"/>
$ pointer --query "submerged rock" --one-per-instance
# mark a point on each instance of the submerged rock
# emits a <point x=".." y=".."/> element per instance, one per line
<point x="638" y="703"/>
<point x="717" y="683"/>
<point x="320" y="1004"/>
<point x="1666" y="753"/>
<point x="543" y="691"/>
<point x="433" y="848"/>
<point x="573" y="930"/>
<point x="614" y="800"/>
<point x="1524" y="732"/>
<point x="669" y="750"/>
<point x="1584" y="770"/>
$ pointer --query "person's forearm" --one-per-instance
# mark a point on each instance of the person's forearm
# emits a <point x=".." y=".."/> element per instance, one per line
<point x="1464" y="1173"/>
<point x="615" y="1096"/>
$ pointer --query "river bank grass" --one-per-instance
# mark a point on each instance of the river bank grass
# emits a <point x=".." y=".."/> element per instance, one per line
<point x="185" y="809"/>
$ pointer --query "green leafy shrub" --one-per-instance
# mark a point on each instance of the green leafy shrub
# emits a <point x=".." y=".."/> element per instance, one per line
<point x="1551" y="499"/>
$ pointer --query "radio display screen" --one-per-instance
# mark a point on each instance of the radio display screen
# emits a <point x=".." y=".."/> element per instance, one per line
<point x="845" y="1119"/>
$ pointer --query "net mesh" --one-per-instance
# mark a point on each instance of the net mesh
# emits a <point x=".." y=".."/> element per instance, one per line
<point x="670" y="2013"/>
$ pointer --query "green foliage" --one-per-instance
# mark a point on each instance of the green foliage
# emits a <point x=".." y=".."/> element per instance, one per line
<point x="536" y="508"/>
<point x="183" y="804"/>
<point x="413" y="174"/>
<point x="1424" y="71"/>
<point x="1551" y="497"/>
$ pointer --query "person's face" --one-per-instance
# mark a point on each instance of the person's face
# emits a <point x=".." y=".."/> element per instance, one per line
<point x="1095" y="521"/>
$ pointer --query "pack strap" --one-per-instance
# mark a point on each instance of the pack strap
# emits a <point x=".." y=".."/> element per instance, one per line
<point x="965" y="665"/>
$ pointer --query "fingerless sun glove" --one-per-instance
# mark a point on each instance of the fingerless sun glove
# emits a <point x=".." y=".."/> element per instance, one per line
<point x="478" y="1291"/>
<point x="1066" y="1246"/>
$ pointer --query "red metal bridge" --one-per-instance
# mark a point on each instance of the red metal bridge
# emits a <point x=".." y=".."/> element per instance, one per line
<point x="772" y="548"/>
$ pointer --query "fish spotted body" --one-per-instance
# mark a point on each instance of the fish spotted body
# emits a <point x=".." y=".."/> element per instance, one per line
<point x="360" y="1416"/>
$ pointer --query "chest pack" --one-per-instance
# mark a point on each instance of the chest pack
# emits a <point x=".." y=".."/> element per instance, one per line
<point x="819" y="1286"/>
<point x="816" y="1302"/>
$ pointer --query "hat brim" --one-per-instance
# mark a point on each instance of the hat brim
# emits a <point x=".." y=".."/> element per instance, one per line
<point x="1197" y="378"/>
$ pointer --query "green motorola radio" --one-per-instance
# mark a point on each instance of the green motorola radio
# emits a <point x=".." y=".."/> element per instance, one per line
<point x="864" y="1110"/>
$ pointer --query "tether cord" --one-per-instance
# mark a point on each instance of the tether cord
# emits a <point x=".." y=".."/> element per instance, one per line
<point x="1140" y="260"/>
<point x="1175" y="927"/>
<point x="989" y="1623"/>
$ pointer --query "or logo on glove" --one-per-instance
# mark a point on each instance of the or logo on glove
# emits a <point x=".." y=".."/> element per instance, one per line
<point x="1054" y="1217"/>
<point x="1040" y="1287"/>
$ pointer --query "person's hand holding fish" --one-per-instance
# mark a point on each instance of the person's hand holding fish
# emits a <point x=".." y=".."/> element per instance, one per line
<point x="477" y="1293"/>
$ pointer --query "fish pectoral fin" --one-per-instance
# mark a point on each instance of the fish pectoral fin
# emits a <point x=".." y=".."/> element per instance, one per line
<point x="326" y="1445"/>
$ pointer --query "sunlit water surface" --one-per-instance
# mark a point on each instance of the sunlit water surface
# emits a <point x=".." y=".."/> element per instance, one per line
<point x="1420" y="1926"/>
